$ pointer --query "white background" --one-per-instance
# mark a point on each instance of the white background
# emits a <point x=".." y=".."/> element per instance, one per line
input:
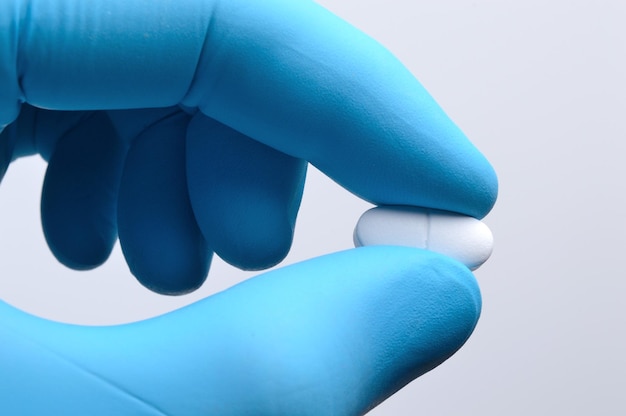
<point x="540" y="88"/>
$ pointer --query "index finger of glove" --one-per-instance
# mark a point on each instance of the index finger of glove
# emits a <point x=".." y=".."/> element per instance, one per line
<point x="286" y="73"/>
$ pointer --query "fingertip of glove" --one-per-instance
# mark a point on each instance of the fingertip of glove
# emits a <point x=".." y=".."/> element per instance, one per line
<point x="173" y="275"/>
<point x="437" y="304"/>
<point x="250" y="242"/>
<point x="4" y="163"/>
<point x="262" y="261"/>
<point x="6" y="150"/>
<point x="417" y="308"/>
<point x="81" y="257"/>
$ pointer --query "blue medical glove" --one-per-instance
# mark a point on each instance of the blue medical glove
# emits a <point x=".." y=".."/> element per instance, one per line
<point x="188" y="125"/>
<point x="331" y="336"/>
<point x="254" y="91"/>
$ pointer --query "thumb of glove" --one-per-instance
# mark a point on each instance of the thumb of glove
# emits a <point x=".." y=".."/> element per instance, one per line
<point x="334" y="335"/>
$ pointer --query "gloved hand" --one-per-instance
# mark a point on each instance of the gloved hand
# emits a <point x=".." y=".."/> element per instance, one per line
<point x="187" y="125"/>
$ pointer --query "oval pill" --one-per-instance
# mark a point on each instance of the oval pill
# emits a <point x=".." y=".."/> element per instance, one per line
<point x="461" y="237"/>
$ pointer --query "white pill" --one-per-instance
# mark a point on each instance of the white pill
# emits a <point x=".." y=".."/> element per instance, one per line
<point x="463" y="238"/>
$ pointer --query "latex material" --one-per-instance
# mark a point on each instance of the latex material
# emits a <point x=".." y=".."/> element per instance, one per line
<point x="334" y="335"/>
<point x="159" y="236"/>
<point x="285" y="73"/>
<point x="296" y="77"/>
<point x="250" y="191"/>
<point x="78" y="211"/>
<point x="461" y="237"/>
